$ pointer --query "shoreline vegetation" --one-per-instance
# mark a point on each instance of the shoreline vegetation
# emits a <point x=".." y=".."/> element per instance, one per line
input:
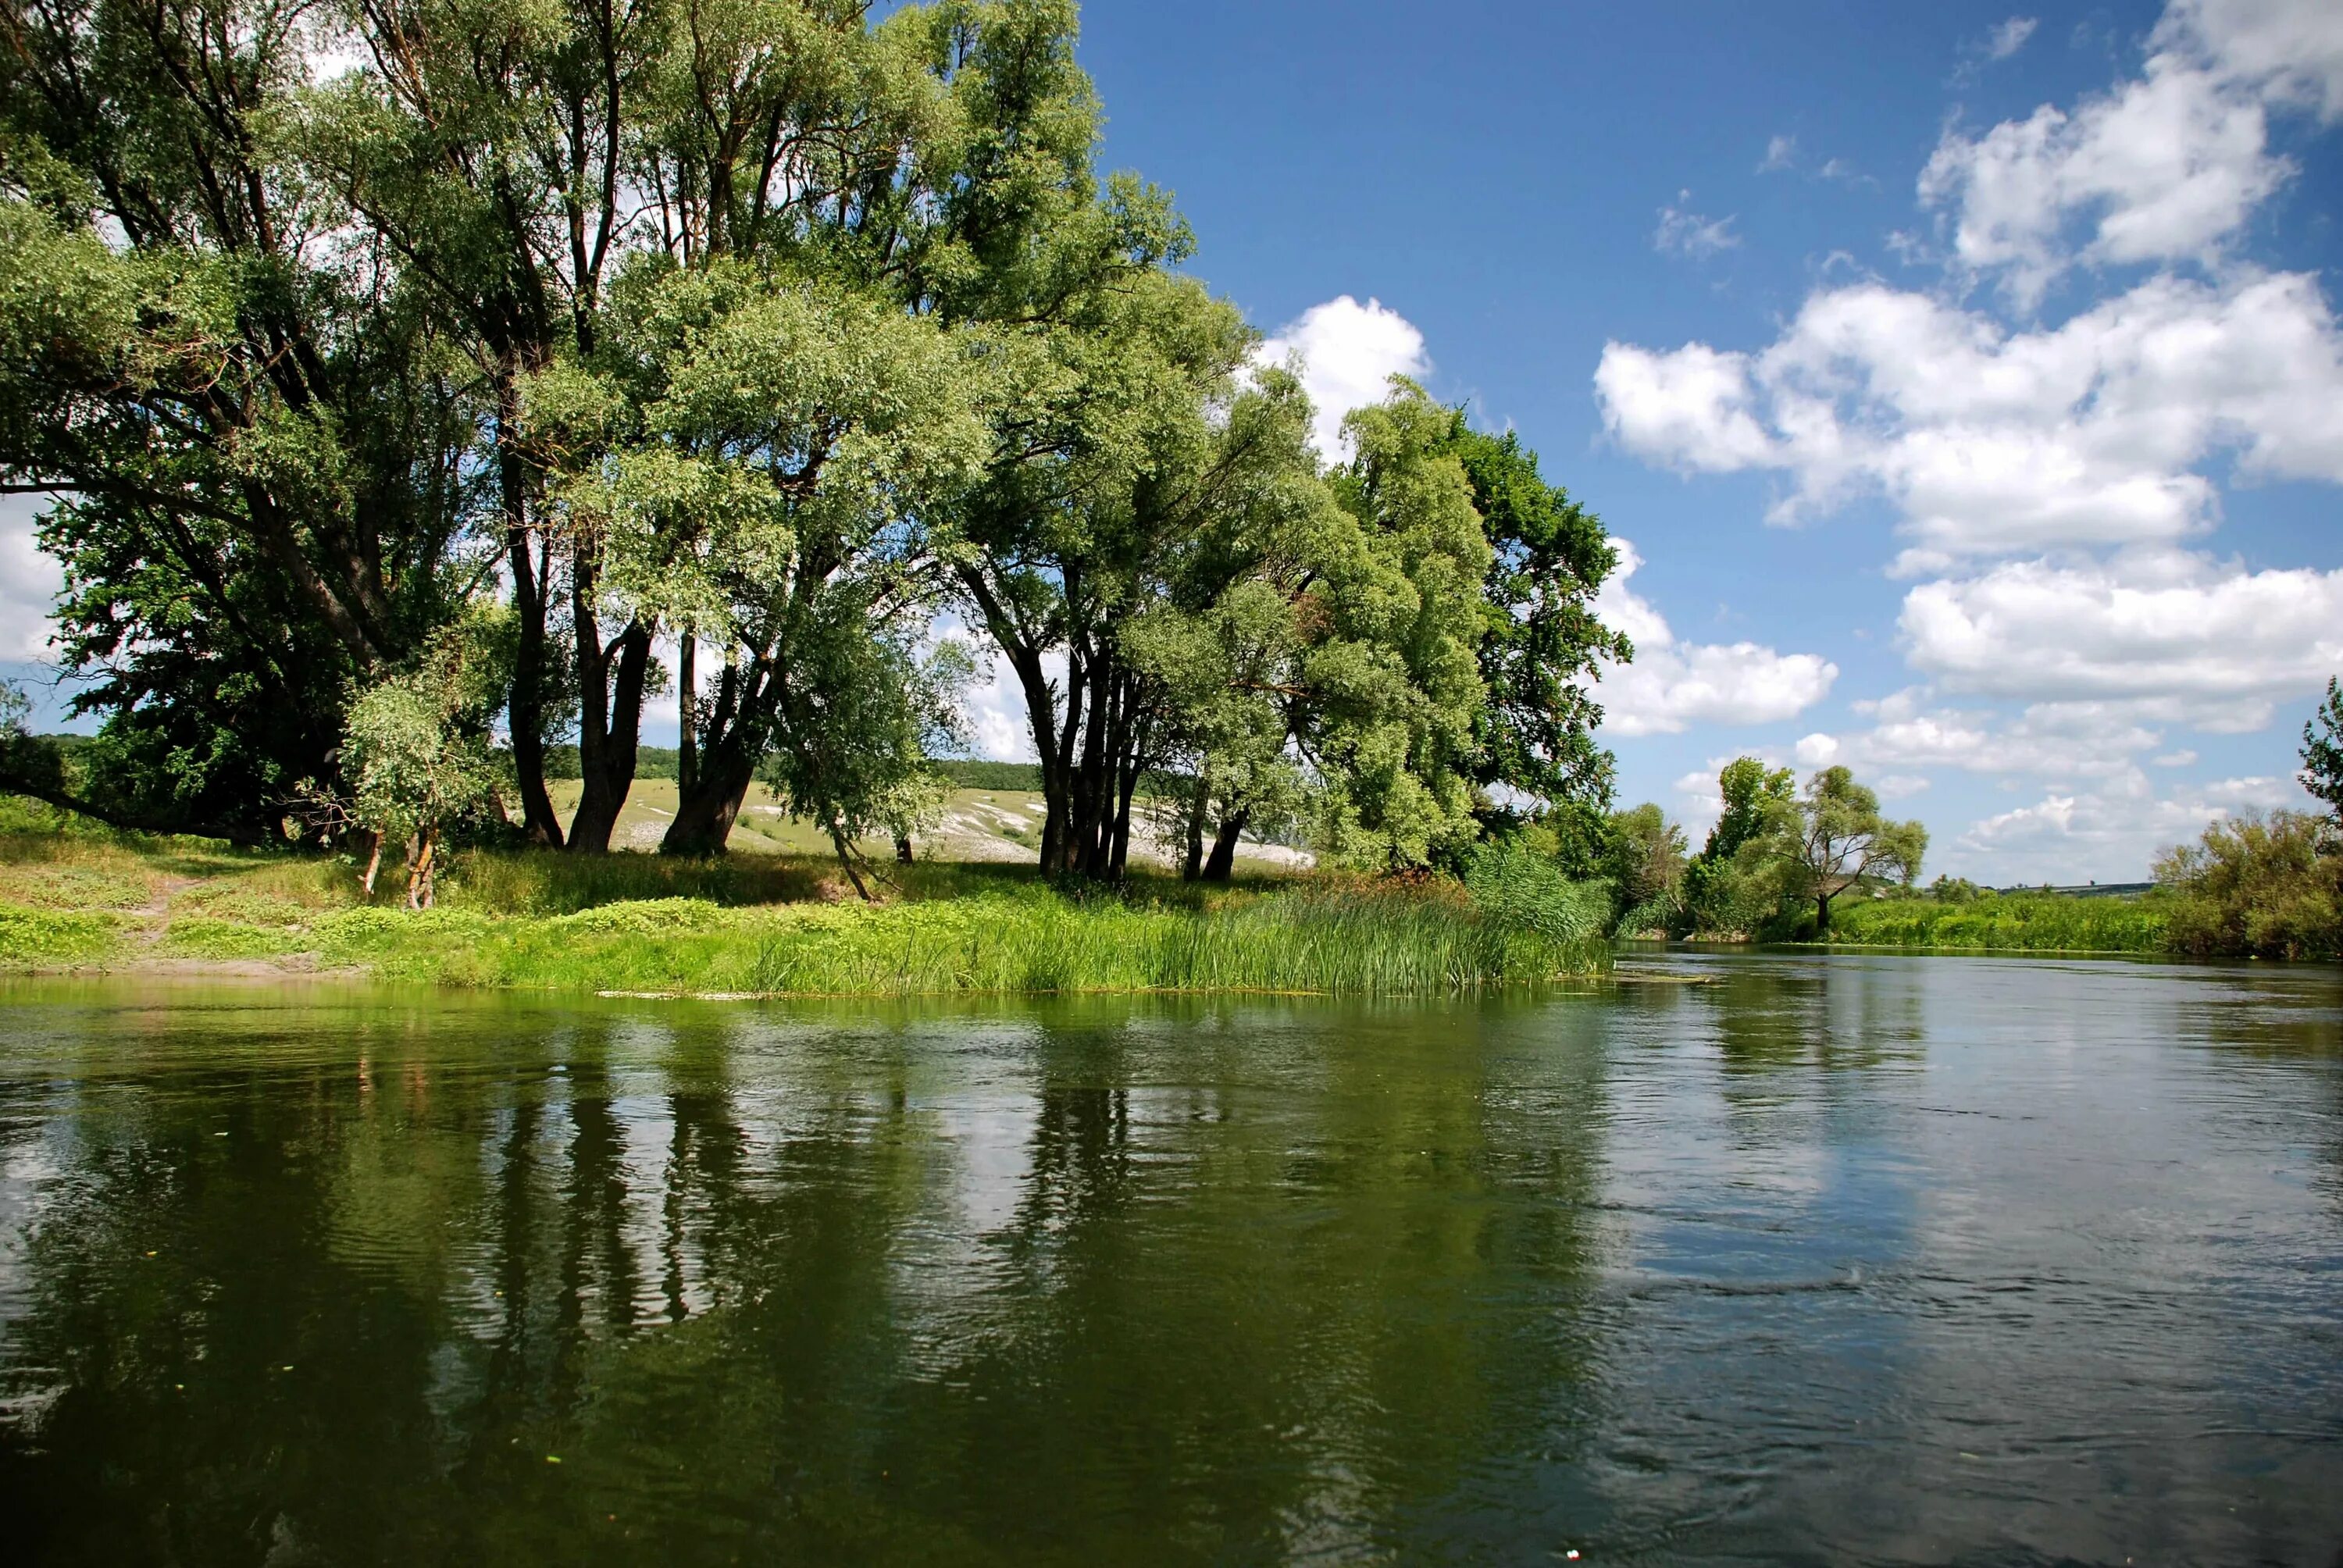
<point x="79" y="898"/>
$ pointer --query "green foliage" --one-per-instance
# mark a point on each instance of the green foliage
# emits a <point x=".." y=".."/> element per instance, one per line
<point x="1356" y="940"/>
<point x="2026" y="922"/>
<point x="2322" y="752"/>
<point x="1518" y="888"/>
<point x="1842" y="841"/>
<point x="1540" y="639"/>
<point x="2264" y="887"/>
<point x="1735" y="887"/>
<point x="1648" y="869"/>
<point x="40" y="937"/>
<point x="1396" y="733"/>
<point x="249" y="450"/>
<point x="417" y="749"/>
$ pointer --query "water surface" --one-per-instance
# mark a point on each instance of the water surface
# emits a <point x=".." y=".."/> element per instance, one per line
<point x="1833" y="1259"/>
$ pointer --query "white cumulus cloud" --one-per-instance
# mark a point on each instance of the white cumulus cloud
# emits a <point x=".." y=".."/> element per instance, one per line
<point x="29" y="580"/>
<point x="1349" y="352"/>
<point x="2166" y="165"/>
<point x="2177" y="633"/>
<point x="1673" y="684"/>
<point x="1991" y="441"/>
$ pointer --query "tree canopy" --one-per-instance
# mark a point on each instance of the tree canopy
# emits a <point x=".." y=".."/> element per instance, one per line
<point x="762" y="330"/>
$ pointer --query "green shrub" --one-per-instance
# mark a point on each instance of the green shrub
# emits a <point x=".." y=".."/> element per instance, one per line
<point x="30" y="938"/>
<point x="2264" y="887"/>
<point x="2018" y="922"/>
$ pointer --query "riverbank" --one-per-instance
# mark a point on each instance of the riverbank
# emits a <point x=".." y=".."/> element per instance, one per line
<point x="2008" y="922"/>
<point x="73" y="899"/>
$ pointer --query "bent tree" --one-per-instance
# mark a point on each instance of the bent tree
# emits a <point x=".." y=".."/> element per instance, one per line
<point x="1842" y="841"/>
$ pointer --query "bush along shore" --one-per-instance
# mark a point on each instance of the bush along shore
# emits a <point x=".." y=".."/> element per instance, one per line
<point x="2009" y="922"/>
<point x="87" y="901"/>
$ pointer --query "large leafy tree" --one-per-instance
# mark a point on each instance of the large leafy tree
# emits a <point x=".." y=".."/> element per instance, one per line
<point x="1840" y="841"/>
<point x="1540" y="640"/>
<point x="1394" y="676"/>
<point x="255" y="457"/>
<point x="484" y="149"/>
<point x="749" y="460"/>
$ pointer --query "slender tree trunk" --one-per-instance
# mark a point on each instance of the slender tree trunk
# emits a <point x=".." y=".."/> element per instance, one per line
<point x="418" y="875"/>
<point x="687" y="751"/>
<point x="903" y="847"/>
<point x="1223" y="859"/>
<point x="609" y="725"/>
<point x="846" y="860"/>
<point x="526" y="707"/>
<point x="374" y="865"/>
<point x="1193" y="865"/>
<point x="1821" y="914"/>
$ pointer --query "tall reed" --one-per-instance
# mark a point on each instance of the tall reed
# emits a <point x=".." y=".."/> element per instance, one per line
<point x="1338" y="939"/>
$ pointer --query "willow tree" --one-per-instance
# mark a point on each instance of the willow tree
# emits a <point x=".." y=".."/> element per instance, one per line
<point x="750" y="460"/>
<point x="1541" y="645"/>
<point x="254" y="458"/>
<point x="1840" y="840"/>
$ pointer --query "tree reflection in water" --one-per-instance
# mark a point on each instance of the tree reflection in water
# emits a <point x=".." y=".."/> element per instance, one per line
<point x="1837" y="1258"/>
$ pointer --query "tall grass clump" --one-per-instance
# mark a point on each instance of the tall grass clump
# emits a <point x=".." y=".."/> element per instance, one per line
<point x="536" y="882"/>
<point x="1362" y="938"/>
<point x="2007" y="922"/>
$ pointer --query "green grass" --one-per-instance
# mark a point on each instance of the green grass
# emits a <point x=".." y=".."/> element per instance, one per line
<point x="773" y="924"/>
<point x="1346" y="939"/>
<point x="196" y="937"/>
<point x="2010" y="922"/>
<point x="38" y="938"/>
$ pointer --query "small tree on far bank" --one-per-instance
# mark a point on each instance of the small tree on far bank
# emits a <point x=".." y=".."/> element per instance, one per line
<point x="2322" y="753"/>
<point x="1649" y="872"/>
<point x="1843" y="841"/>
<point x="1734" y="884"/>
<point x="418" y="751"/>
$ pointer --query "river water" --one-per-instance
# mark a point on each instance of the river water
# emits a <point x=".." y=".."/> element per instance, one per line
<point x="1748" y="1258"/>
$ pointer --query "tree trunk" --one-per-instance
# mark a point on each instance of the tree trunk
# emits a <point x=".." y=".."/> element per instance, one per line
<point x="1821" y="914"/>
<point x="526" y="707"/>
<point x="1192" y="867"/>
<point x="418" y="875"/>
<point x="1224" y="849"/>
<point x="704" y="814"/>
<point x="687" y="750"/>
<point x="903" y="847"/>
<point x="610" y="717"/>
<point x="846" y="860"/>
<point x="374" y="865"/>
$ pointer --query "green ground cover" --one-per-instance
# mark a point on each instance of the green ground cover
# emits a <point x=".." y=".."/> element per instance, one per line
<point x="2008" y="922"/>
<point x="71" y="897"/>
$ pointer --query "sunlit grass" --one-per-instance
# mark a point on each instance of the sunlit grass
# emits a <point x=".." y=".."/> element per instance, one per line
<point x="779" y="924"/>
<point x="47" y="938"/>
<point x="2009" y="922"/>
<point x="1342" y="941"/>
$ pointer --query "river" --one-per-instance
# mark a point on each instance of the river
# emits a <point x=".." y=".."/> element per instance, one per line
<point x="1746" y="1259"/>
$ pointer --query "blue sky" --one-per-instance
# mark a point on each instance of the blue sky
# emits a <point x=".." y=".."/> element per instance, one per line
<point x="1965" y="378"/>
